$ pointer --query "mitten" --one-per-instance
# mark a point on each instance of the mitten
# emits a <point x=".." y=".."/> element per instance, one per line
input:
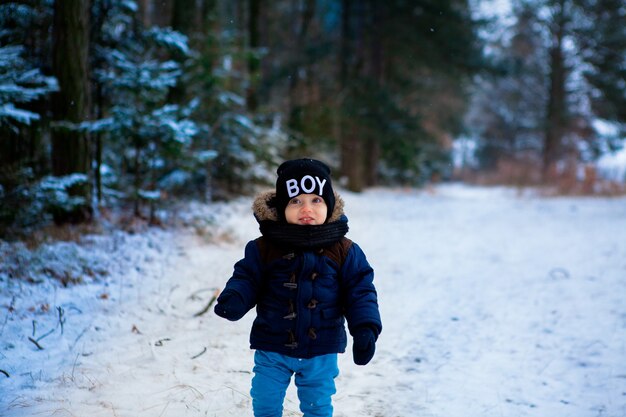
<point x="230" y="306"/>
<point x="364" y="345"/>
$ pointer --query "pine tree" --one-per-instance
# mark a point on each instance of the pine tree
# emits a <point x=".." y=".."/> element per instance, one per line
<point x="404" y="79"/>
<point x="602" y="39"/>
<point x="509" y="103"/>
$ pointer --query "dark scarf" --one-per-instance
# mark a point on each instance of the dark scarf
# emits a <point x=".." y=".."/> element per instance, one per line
<point x="300" y="237"/>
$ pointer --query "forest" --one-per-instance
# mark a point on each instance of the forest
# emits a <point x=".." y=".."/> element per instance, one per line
<point x="133" y="105"/>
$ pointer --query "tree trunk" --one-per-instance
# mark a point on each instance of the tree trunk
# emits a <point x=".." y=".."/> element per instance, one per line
<point x="70" y="150"/>
<point x="557" y="106"/>
<point x="352" y="60"/>
<point x="184" y="20"/>
<point x="185" y="16"/>
<point x="296" y="103"/>
<point x="371" y="157"/>
<point x="375" y="72"/>
<point x="161" y="12"/>
<point x="352" y="159"/>
<point x="254" y="63"/>
<point x="350" y="148"/>
<point x="96" y="139"/>
<point x="144" y="13"/>
<point x="98" y="96"/>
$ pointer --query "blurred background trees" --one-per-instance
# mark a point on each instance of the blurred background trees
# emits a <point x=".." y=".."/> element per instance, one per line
<point x="548" y="111"/>
<point x="121" y="103"/>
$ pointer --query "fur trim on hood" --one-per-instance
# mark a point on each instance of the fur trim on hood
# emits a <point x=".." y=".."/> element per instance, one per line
<point x="263" y="210"/>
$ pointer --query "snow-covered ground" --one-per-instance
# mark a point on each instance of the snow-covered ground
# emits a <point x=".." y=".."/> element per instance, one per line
<point x="494" y="303"/>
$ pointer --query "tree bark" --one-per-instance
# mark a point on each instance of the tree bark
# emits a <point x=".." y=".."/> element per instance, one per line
<point x="375" y="70"/>
<point x="557" y="107"/>
<point x="352" y="67"/>
<point x="299" y="61"/>
<point x="71" y="103"/>
<point x="144" y="13"/>
<point x="184" y="20"/>
<point x="160" y="12"/>
<point x="254" y="63"/>
<point x="70" y="147"/>
<point x="185" y="16"/>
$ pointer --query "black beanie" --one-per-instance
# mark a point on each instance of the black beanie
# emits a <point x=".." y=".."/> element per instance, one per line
<point x="303" y="176"/>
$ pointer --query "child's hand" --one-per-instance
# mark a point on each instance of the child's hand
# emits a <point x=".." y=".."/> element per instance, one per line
<point x="230" y="306"/>
<point x="364" y="345"/>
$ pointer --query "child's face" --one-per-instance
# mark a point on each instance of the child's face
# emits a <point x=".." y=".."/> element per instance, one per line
<point x="306" y="209"/>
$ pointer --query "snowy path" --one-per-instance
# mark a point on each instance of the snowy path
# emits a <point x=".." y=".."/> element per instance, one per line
<point x="492" y="305"/>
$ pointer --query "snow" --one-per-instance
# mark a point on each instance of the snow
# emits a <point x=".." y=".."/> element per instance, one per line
<point x="173" y="39"/>
<point x="612" y="165"/>
<point x="495" y="302"/>
<point x="8" y="110"/>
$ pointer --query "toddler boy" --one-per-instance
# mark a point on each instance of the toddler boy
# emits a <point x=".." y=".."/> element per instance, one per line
<point x="305" y="279"/>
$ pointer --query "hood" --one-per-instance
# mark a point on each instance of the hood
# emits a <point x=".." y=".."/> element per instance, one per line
<point x="263" y="209"/>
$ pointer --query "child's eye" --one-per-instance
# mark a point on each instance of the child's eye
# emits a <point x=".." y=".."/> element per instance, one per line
<point x="317" y="200"/>
<point x="294" y="201"/>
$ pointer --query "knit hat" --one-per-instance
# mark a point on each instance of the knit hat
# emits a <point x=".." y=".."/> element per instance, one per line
<point x="303" y="176"/>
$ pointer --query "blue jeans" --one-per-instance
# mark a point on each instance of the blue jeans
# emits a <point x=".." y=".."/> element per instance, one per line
<point x="314" y="378"/>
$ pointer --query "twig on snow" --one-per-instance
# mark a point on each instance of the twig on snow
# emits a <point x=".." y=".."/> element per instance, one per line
<point x="208" y="306"/>
<point x="74" y="366"/>
<point x="2" y="371"/>
<point x="61" y="317"/>
<point x="10" y="310"/>
<point x="46" y="334"/>
<point x="36" y="343"/>
<point x="160" y="341"/>
<point x="194" y="295"/>
<point x="199" y="354"/>
<point x="79" y="336"/>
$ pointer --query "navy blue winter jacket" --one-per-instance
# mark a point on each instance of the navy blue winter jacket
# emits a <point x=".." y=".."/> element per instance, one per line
<point x="304" y="292"/>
